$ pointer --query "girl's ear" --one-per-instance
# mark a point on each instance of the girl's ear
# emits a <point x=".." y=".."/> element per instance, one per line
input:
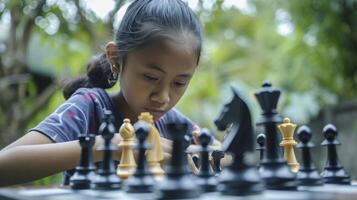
<point x="112" y="53"/>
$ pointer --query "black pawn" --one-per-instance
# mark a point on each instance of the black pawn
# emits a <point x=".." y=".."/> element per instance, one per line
<point x="206" y="180"/>
<point x="261" y="147"/>
<point x="187" y="141"/>
<point x="81" y="179"/>
<point x="141" y="181"/>
<point x="307" y="174"/>
<point x="217" y="156"/>
<point x="177" y="183"/>
<point x="333" y="172"/>
<point x="107" y="178"/>
<point x="273" y="168"/>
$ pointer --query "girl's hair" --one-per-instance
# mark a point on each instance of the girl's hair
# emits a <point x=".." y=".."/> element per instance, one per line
<point x="143" y="22"/>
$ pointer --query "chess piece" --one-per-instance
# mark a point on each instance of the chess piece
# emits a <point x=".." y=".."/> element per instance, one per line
<point x="307" y="174"/>
<point x="196" y="160"/>
<point x="187" y="141"/>
<point x="141" y="181"/>
<point x="206" y="180"/>
<point x="287" y="131"/>
<point x="273" y="168"/>
<point x="261" y="147"/>
<point x="106" y="178"/>
<point x="217" y="156"/>
<point x="155" y="155"/>
<point x="177" y="184"/>
<point x="240" y="177"/>
<point x="333" y="172"/>
<point x="81" y="179"/>
<point x="127" y="163"/>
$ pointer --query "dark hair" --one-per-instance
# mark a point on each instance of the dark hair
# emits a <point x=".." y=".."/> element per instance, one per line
<point x="143" y="22"/>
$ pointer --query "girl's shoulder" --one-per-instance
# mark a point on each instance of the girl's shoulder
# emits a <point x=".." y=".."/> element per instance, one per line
<point x="97" y="96"/>
<point x="93" y="93"/>
<point x="79" y="114"/>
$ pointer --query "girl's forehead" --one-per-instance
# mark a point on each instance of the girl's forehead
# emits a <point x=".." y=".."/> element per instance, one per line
<point x="182" y="44"/>
<point x="167" y="52"/>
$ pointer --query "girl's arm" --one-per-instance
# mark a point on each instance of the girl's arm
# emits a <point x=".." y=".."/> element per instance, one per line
<point x="35" y="156"/>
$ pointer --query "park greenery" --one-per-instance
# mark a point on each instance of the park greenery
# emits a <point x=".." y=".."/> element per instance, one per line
<point x="307" y="48"/>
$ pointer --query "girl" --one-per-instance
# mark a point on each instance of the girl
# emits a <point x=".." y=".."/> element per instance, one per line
<point x="155" y="54"/>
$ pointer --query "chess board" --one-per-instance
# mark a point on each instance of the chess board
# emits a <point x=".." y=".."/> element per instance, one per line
<point x="326" y="192"/>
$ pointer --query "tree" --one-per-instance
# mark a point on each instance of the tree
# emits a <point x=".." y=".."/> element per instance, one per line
<point x="66" y="28"/>
<point x="328" y="30"/>
<point x="313" y="62"/>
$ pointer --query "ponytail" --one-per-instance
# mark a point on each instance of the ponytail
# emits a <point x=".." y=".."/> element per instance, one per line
<point x="98" y="73"/>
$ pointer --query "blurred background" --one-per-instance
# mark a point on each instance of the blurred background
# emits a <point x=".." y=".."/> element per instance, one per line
<point x="306" y="48"/>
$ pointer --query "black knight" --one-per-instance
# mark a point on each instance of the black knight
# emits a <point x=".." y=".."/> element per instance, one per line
<point x="241" y="177"/>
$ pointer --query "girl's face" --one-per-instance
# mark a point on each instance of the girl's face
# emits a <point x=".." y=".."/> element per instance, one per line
<point x="156" y="76"/>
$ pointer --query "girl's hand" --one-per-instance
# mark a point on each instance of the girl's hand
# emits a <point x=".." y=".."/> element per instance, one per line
<point x="195" y="134"/>
<point x="195" y="148"/>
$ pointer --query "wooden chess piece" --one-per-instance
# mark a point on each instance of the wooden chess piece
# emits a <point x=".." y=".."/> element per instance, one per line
<point x="287" y="131"/>
<point x="141" y="181"/>
<point x="127" y="163"/>
<point x="155" y="155"/>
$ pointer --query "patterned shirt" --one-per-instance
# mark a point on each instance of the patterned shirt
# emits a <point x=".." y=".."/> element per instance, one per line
<point x="82" y="114"/>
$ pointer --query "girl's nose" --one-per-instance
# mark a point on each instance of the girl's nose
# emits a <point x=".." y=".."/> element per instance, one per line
<point x="161" y="96"/>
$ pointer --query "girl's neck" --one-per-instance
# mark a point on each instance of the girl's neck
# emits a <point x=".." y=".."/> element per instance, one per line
<point x="122" y="108"/>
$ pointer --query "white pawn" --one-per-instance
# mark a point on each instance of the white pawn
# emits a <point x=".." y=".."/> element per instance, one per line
<point x="127" y="163"/>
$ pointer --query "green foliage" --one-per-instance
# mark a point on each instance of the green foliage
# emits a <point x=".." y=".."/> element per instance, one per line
<point x="332" y="27"/>
<point x="48" y="181"/>
<point x="51" y="39"/>
<point x="313" y="64"/>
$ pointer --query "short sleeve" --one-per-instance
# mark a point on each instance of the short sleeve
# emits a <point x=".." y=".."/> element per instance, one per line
<point x="75" y="116"/>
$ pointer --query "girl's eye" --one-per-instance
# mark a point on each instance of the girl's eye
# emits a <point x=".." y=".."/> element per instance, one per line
<point x="150" y="78"/>
<point x="180" y="84"/>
